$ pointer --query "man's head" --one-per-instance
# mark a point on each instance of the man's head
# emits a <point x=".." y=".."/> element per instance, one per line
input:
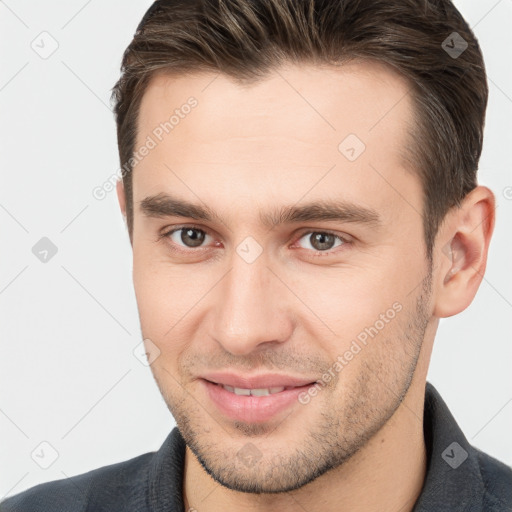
<point x="311" y="214"/>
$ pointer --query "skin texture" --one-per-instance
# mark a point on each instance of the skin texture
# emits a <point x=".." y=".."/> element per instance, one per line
<point x="358" y="444"/>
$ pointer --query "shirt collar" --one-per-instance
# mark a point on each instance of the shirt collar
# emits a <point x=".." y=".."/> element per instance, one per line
<point x="453" y="481"/>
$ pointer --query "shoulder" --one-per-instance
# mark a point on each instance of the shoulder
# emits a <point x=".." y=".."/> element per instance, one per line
<point x="497" y="480"/>
<point x="111" y="487"/>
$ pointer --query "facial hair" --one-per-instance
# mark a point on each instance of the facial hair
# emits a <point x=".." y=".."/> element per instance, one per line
<point x="353" y="413"/>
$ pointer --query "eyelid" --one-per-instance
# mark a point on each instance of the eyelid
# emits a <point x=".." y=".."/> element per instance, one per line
<point x="343" y="236"/>
<point x="168" y="230"/>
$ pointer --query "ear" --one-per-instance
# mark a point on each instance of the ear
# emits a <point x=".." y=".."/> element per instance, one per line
<point x="461" y="249"/>
<point x="121" y="197"/>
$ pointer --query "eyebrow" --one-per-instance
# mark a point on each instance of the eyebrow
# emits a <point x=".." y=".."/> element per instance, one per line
<point x="163" y="205"/>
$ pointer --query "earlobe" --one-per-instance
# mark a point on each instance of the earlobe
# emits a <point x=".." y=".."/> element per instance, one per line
<point x="466" y="236"/>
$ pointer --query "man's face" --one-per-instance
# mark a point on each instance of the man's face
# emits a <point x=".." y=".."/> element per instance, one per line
<point x="340" y="302"/>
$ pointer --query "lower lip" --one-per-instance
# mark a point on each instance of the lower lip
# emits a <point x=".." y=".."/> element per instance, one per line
<point x="252" y="409"/>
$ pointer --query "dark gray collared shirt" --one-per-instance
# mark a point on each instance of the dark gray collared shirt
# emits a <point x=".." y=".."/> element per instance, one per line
<point x="460" y="478"/>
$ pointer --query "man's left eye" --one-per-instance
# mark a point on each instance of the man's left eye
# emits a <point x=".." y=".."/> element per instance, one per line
<point x="322" y="241"/>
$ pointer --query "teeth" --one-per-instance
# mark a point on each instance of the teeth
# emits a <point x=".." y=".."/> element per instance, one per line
<point x="253" y="392"/>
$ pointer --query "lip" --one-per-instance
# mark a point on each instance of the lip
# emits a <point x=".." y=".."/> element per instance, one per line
<point x="268" y="380"/>
<point x="249" y="408"/>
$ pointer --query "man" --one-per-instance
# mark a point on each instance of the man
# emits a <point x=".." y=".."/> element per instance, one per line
<point x="299" y="185"/>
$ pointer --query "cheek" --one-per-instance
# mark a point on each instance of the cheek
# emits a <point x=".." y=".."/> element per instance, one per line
<point x="160" y="307"/>
<point x="354" y="313"/>
<point x="155" y="292"/>
<point x="167" y="297"/>
<point x="345" y="300"/>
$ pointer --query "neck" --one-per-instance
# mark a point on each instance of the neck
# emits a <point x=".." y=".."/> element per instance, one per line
<point x="386" y="475"/>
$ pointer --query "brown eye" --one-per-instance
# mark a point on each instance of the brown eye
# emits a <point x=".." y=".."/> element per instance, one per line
<point x="187" y="236"/>
<point x="321" y="241"/>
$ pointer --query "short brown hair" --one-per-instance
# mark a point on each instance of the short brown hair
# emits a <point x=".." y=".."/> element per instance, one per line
<point x="246" y="39"/>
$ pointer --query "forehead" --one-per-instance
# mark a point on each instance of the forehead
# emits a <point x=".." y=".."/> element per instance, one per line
<point x="329" y="100"/>
<point x="336" y="131"/>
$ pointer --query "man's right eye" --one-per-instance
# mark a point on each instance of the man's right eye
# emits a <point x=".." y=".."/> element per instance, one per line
<point x="186" y="236"/>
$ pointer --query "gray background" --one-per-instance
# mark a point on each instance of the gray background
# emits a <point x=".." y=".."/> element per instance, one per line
<point x="68" y="329"/>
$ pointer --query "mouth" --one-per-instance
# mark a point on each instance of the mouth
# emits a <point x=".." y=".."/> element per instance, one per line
<point x="256" y="391"/>
<point x="253" y="404"/>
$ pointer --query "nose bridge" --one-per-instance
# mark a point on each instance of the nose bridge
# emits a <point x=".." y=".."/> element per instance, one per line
<point x="247" y="313"/>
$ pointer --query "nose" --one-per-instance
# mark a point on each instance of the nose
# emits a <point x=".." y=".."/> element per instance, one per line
<point x="251" y="311"/>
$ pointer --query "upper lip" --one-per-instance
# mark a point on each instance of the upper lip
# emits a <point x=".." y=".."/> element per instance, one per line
<point x="263" y="381"/>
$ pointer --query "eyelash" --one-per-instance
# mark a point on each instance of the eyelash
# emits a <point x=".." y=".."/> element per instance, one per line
<point x="316" y="253"/>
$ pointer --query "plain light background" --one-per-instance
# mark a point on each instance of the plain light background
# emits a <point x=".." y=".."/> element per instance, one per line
<point x="68" y="327"/>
